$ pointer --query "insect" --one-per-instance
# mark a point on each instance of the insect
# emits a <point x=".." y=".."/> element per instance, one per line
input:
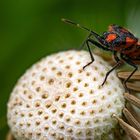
<point x="118" y="40"/>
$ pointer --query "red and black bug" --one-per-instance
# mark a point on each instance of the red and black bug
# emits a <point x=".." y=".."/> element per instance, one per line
<point x="118" y="40"/>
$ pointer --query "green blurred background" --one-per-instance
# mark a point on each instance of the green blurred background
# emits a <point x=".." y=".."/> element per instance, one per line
<point x="31" y="29"/>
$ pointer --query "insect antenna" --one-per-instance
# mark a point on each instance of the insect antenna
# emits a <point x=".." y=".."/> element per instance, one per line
<point x="80" y="26"/>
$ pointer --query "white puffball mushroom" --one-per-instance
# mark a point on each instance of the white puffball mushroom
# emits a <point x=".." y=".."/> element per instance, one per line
<point x="57" y="100"/>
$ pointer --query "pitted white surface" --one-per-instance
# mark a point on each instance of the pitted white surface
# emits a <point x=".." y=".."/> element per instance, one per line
<point x="57" y="100"/>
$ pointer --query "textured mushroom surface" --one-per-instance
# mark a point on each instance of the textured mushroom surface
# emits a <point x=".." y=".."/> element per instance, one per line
<point x="57" y="100"/>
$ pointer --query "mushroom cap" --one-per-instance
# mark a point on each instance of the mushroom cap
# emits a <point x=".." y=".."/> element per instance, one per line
<point x="57" y="100"/>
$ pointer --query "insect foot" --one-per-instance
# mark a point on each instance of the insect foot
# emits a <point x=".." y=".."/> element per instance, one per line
<point x="56" y="100"/>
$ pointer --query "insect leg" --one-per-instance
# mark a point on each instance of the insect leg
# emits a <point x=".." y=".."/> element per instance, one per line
<point x="84" y="42"/>
<point x="114" y="67"/>
<point x="90" y="52"/>
<point x="128" y="61"/>
<point x="91" y="55"/>
<point x="115" y="56"/>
